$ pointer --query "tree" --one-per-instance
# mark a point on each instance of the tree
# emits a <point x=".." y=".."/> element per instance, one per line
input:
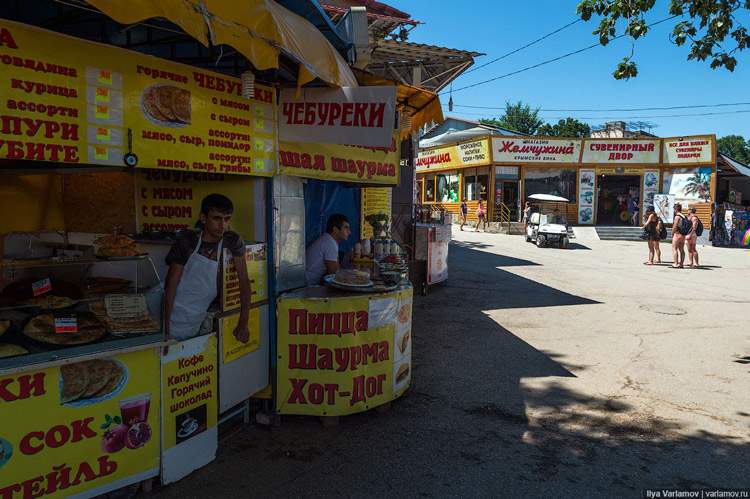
<point x="699" y="184"/>
<point x="707" y="24"/>
<point x="519" y="117"/>
<point x="736" y="147"/>
<point x="569" y="127"/>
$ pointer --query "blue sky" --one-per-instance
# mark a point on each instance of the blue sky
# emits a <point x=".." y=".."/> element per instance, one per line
<point x="583" y="81"/>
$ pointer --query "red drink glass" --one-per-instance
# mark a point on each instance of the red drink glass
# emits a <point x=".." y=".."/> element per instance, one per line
<point x="135" y="409"/>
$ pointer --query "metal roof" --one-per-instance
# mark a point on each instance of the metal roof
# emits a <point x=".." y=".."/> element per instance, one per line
<point x="734" y="164"/>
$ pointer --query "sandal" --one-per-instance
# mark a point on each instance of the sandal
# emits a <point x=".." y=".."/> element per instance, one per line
<point x="675" y="266"/>
<point x="647" y="263"/>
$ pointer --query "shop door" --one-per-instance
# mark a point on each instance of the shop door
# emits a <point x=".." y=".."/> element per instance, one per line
<point x="615" y="200"/>
<point x="510" y="197"/>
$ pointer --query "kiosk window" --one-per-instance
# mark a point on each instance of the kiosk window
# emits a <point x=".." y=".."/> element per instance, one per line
<point x="429" y="189"/>
<point x="447" y="187"/>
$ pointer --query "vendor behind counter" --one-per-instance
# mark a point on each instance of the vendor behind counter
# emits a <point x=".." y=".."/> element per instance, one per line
<point x="322" y="256"/>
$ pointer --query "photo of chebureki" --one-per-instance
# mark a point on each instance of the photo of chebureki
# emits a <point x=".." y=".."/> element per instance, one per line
<point x="166" y="105"/>
<point x="91" y="381"/>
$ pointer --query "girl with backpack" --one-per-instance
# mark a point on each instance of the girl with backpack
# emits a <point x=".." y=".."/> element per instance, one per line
<point x="692" y="238"/>
<point x="651" y="235"/>
<point x="678" y="237"/>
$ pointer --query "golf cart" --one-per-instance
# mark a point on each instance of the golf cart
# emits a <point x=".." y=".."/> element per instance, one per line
<point x="547" y="221"/>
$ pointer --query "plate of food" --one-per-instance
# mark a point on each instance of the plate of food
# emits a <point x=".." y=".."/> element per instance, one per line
<point x="91" y="381"/>
<point x="166" y="105"/>
<point x="352" y="278"/>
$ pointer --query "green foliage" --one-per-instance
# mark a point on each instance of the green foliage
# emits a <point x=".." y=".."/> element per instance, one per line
<point x="736" y="147"/>
<point x="713" y="30"/>
<point x="569" y="127"/>
<point x="373" y="218"/>
<point x="519" y="117"/>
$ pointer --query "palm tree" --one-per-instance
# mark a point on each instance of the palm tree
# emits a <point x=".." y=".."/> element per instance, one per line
<point x="699" y="184"/>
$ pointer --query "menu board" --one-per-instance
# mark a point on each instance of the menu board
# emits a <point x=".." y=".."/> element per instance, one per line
<point x="255" y="260"/>
<point x="69" y="101"/>
<point x="375" y="200"/>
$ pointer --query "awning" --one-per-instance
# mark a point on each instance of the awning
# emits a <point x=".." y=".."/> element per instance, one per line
<point x="735" y="165"/>
<point x="259" y="29"/>
<point x="424" y="105"/>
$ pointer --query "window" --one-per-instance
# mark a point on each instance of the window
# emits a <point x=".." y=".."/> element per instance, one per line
<point x="482" y="186"/>
<point x="447" y="187"/>
<point x="470" y="180"/>
<point x="429" y="188"/>
<point x="555" y="181"/>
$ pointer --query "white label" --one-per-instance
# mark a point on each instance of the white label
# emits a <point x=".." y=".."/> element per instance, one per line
<point x="126" y="306"/>
<point x="66" y="325"/>
<point x="42" y="286"/>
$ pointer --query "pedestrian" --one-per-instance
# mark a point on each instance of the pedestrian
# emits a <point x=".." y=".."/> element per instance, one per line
<point x="692" y="239"/>
<point x="634" y="208"/>
<point x="526" y="215"/>
<point x="661" y="232"/>
<point x="651" y="235"/>
<point x="464" y="212"/>
<point x="481" y="216"/>
<point x="678" y="239"/>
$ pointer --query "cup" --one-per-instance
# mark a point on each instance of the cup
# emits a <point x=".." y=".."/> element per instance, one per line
<point x="135" y="409"/>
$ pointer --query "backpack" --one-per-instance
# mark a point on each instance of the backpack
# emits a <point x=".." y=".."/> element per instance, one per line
<point x="685" y="226"/>
<point x="698" y="226"/>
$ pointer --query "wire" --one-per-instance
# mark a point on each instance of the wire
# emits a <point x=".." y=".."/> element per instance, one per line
<point x="619" y="110"/>
<point x="553" y="60"/>
<point x="520" y="49"/>
<point x="618" y="117"/>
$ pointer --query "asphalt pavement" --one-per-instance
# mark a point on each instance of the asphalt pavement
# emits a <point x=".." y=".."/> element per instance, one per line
<point x="538" y="372"/>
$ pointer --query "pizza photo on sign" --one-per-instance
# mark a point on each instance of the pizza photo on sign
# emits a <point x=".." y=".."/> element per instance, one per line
<point x="166" y="105"/>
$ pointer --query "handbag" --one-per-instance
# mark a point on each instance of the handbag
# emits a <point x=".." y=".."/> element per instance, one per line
<point x="663" y="233"/>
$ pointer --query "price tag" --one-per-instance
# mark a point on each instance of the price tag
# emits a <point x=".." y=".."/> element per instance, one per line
<point x="102" y="112"/>
<point x="259" y="144"/>
<point x="42" y="286"/>
<point x="260" y="124"/>
<point x="101" y="153"/>
<point x="260" y="164"/>
<point x="104" y="77"/>
<point x="102" y="94"/>
<point x="66" y="325"/>
<point x="259" y="110"/>
<point x="126" y="306"/>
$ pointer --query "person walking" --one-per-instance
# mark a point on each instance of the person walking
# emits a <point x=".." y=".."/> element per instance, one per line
<point x="481" y="216"/>
<point x="692" y="239"/>
<point x="678" y="239"/>
<point x="526" y="215"/>
<point x="651" y="235"/>
<point x="661" y="233"/>
<point x="464" y="212"/>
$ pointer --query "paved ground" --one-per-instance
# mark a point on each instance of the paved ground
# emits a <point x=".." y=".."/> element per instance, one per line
<point x="537" y="373"/>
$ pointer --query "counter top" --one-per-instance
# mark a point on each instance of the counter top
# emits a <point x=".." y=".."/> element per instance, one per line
<point x="327" y="292"/>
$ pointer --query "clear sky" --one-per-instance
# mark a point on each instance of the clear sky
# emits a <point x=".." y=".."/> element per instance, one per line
<point x="583" y="81"/>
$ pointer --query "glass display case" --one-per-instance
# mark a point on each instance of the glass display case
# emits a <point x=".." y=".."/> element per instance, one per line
<point x="57" y="310"/>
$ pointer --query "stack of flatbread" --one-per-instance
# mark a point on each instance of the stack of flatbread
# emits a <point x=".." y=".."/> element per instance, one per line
<point x="118" y="246"/>
<point x="42" y="328"/>
<point x="49" y="302"/>
<point x="124" y="325"/>
<point x="167" y="103"/>
<point x="89" y="379"/>
<point x="7" y="349"/>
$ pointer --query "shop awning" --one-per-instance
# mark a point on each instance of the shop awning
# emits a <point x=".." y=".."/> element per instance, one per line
<point x="735" y="165"/>
<point x="424" y="105"/>
<point x="259" y="29"/>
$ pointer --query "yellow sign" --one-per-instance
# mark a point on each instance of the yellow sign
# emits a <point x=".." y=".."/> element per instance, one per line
<point x="190" y="385"/>
<point x="375" y="200"/>
<point x="360" y="164"/>
<point x="162" y="114"/>
<point x="619" y="171"/>
<point x="255" y="261"/>
<point x="79" y="427"/>
<point x="476" y="152"/>
<point x="171" y="200"/>
<point x="342" y="355"/>
<point x="234" y="348"/>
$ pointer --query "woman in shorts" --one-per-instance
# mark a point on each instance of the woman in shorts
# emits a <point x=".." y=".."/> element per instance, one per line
<point x="481" y="216"/>
<point x="526" y="215"/>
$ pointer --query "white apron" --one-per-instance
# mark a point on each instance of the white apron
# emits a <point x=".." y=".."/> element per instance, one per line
<point x="195" y="292"/>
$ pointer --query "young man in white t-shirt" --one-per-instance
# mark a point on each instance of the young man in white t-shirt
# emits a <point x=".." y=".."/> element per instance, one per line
<point x="322" y="257"/>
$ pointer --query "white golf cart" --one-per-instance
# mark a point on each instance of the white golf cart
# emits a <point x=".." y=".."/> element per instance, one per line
<point x="547" y="223"/>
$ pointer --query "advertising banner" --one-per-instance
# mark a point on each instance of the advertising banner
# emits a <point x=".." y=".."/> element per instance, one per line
<point x="90" y="426"/>
<point x="438" y="257"/>
<point x="347" y="116"/>
<point x="664" y="206"/>
<point x="690" y="150"/>
<point x="621" y="151"/>
<point x="75" y="102"/>
<point x="476" y="152"/>
<point x="375" y="200"/>
<point x="190" y="387"/>
<point x="586" y="196"/>
<point x="343" y="355"/>
<point x="650" y="188"/>
<point x="231" y="347"/>
<point x="528" y="150"/>
<point x="255" y="261"/>
<point x="171" y="200"/>
<point x="361" y="164"/>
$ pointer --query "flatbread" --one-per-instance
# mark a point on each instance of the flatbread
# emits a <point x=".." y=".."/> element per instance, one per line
<point x="181" y="105"/>
<point x="4" y="326"/>
<point x="116" y="375"/>
<point x="42" y="328"/>
<point x="99" y="373"/>
<point x="150" y="102"/>
<point x="75" y="380"/>
<point x="404" y="313"/>
<point x="130" y="250"/>
<point x="10" y="350"/>
<point x="164" y="101"/>
<point x="114" y="241"/>
<point x="48" y="302"/>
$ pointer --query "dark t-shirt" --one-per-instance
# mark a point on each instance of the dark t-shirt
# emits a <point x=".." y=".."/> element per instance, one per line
<point x="184" y="246"/>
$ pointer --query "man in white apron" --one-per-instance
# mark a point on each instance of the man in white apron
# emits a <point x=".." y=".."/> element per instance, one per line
<point x="192" y="280"/>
